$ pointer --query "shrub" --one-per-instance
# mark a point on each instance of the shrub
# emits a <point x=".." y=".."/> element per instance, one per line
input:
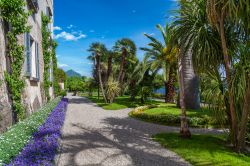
<point x="63" y="93"/>
<point x="13" y="141"/>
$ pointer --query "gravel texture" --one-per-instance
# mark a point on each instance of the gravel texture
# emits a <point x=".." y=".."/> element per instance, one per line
<point x="94" y="136"/>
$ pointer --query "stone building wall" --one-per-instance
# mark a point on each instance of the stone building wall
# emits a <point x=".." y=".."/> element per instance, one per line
<point x="5" y="106"/>
<point x="33" y="94"/>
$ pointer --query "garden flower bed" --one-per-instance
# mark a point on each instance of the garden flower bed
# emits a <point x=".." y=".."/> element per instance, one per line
<point x="42" y="146"/>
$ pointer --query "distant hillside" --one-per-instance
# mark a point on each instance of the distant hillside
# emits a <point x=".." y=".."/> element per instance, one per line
<point x="72" y="73"/>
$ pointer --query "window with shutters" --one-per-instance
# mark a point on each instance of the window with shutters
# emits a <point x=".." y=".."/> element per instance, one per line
<point x="32" y="65"/>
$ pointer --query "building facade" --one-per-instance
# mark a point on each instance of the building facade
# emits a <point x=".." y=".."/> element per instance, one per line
<point x="33" y="96"/>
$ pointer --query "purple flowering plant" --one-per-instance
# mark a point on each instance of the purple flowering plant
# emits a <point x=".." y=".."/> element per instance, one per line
<point x="42" y="148"/>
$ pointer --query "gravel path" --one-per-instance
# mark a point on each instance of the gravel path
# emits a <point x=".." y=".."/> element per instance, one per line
<point x="93" y="136"/>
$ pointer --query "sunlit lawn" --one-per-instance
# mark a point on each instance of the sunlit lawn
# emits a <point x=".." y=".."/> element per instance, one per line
<point x="166" y="108"/>
<point x="203" y="150"/>
<point x="120" y="103"/>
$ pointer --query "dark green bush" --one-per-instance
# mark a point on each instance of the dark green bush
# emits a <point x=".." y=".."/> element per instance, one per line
<point x="63" y="93"/>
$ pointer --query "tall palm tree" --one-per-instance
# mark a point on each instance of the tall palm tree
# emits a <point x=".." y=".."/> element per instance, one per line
<point x="98" y="50"/>
<point x="212" y="29"/>
<point x="127" y="49"/>
<point x="164" y="56"/>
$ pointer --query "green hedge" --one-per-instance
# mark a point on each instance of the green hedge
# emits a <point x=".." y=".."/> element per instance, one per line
<point x="13" y="141"/>
<point x="173" y="120"/>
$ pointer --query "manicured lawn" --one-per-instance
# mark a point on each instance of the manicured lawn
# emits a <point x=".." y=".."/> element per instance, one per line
<point x="169" y="114"/>
<point x="202" y="149"/>
<point x="120" y="103"/>
<point x="166" y="108"/>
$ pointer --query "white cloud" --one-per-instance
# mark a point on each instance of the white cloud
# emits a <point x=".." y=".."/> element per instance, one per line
<point x="57" y="28"/>
<point x="70" y="26"/>
<point x="62" y="65"/>
<point x="69" y="36"/>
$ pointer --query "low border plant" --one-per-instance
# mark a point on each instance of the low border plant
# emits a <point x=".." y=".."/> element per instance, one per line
<point x="43" y="147"/>
<point x="13" y="141"/>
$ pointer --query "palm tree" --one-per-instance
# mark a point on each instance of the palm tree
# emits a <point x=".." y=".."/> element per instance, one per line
<point x="210" y="29"/>
<point x="184" y="130"/>
<point x="98" y="50"/>
<point x="164" y="56"/>
<point x="127" y="49"/>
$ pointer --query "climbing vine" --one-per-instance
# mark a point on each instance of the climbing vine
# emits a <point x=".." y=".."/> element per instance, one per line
<point x="49" y="53"/>
<point x="56" y="86"/>
<point x="14" y="15"/>
<point x="46" y="43"/>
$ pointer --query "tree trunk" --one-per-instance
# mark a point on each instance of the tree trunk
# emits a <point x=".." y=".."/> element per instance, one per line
<point x="228" y="78"/>
<point x="190" y="81"/>
<point x="133" y="90"/>
<point x="100" y="77"/>
<point x="109" y="71"/>
<point x="184" y="130"/>
<point x="244" y="119"/>
<point x="98" y="89"/>
<point x="124" y="54"/>
<point x="166" y="91"/>
<point x="170" y="87"/>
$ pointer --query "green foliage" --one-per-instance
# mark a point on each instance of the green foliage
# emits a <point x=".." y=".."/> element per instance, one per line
<point x="62" y="93"/>
<point x="13" y="141"/>
<point x="47" y="57"/>
<point x="169" y="114"/>
<point x="113" y="90"/>
<point x="75" y="84"/>
<point x="61" y="75"/>
<point x="14" y="14"/>
<point x="202" y="149"/>
<point x="56" y="86"/>
<point x="120" y="102"/>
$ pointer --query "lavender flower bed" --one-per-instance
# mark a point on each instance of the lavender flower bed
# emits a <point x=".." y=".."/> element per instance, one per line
<point x="42" y="148"/>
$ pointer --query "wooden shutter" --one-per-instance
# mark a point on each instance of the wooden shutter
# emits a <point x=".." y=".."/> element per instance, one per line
<point x="27" y="54"/>
<point x="37" y="62"/>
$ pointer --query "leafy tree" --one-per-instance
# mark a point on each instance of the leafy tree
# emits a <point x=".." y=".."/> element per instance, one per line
<point x="164" y="56"/>
<point x="217" y="32"/>
<point x="75" y="84"/>
<point x="127" y="49"/>
<point x="98" y="50"/>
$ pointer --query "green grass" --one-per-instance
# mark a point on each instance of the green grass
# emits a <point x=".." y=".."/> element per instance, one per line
<point x="203" y="150"/>
<point x="120" y="103"/>
<point x="166" y="108"/>
<point x="169" y="114"/>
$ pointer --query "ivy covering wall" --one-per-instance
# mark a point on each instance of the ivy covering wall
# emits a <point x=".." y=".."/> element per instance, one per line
<point x="56" y="86"/>
<point x="49" y="54"/>
<point x="46" y="43"/>
<point x="15" y="17"/>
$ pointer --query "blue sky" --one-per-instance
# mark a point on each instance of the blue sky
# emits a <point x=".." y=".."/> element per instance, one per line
<point x="78" y="23"/>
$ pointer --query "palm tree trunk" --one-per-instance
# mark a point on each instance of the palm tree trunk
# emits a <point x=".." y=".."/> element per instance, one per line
<point x="100" y="77"/>
<point x="244" y="119"/>
<point x="170" y="87"/>
<point x="124" y="54"/>
<point x="228" y="78"/>
<point x="109" y="71"/>
<point x="184" y="130"/>
<point x="166" y="91"/>
<point x="190" y="81"/>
